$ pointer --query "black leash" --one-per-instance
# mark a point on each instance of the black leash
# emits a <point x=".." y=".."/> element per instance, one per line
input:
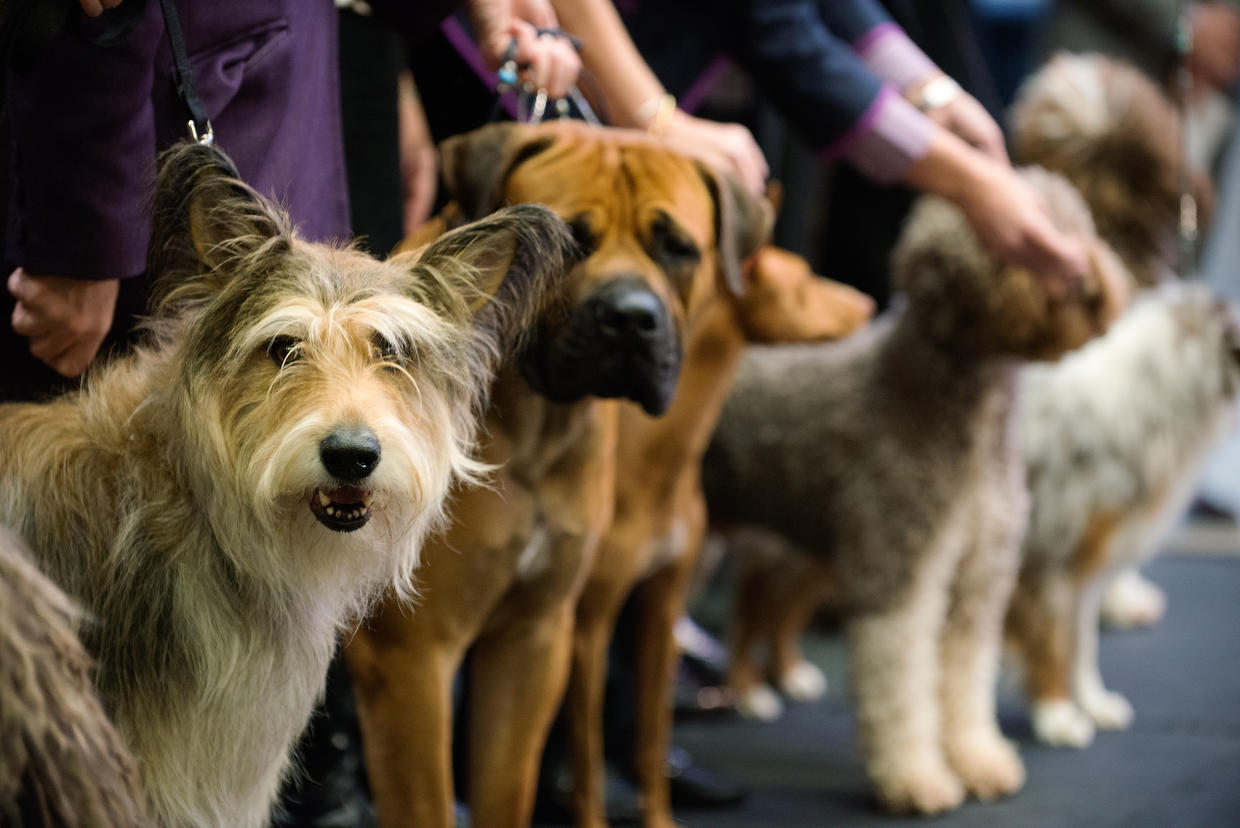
<point x="199" y="124"/>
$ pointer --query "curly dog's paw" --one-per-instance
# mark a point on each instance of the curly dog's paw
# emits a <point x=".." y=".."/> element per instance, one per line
<point x="1061" y="723"/>
<point x="928" y="787"/>
<point x="803" y="682"/>
<point x="988" y="765"/>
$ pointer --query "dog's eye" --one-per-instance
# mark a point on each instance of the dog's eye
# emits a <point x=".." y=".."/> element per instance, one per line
<point x="680" y="248"/>
<point x="384" y="350"/>
<point x="283" y="350"/>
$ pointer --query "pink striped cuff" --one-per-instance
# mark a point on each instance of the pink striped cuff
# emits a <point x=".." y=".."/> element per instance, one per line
<point x="886" y="141"/>
<point x="889" y="53"/>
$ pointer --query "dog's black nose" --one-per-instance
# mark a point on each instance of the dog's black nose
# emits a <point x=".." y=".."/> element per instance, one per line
<point x="350" y="454"/>
<point x="627" y="309"/>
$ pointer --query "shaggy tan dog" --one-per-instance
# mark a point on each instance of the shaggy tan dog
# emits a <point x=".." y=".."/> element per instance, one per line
<point x="893" y="458"/>
<point x="61" y="761"/>
<point x="227" y="498"/>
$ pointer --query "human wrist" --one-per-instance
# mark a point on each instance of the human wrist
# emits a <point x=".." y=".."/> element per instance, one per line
<point x="934" y="92"/>
<point x="953" y="170"/>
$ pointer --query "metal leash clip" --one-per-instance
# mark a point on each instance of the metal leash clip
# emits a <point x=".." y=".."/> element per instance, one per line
<point x="531" y="102"/>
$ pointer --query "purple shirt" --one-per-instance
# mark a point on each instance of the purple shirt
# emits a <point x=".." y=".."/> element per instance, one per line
<point x="87" y="123"/>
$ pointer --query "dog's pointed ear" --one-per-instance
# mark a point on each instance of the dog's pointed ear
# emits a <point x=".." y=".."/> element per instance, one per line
<point x="204" y="217"/>
<point x="475" y="165"/>
<point x="501" y="270"/>
<point x="743" y="224"/>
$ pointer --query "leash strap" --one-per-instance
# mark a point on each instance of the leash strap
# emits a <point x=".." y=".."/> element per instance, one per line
<point x="199" y="125"/>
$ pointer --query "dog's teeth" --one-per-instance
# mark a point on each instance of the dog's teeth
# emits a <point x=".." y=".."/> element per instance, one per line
<point x="330" y="510"/>
<point x="324" y="500"/>
<point x="366" y="501"/>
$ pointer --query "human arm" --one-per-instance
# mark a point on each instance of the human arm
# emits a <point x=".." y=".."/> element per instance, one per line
<point x="635" y="96"/>
<point x="1008" y="216"/>
<point x="79" y="175"/>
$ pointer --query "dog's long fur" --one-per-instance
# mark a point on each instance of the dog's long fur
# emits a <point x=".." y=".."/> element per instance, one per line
<point x="61" y="760"/>
<point x="1114" y="437"/>
<point x="174" y="497"/>
<point x="893" y="457"/>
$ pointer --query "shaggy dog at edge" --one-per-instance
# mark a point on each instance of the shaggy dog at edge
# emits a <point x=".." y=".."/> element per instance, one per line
<point x="61" y="760"/>
<point x="224" y="500"/>
<point x="892" y="457"/>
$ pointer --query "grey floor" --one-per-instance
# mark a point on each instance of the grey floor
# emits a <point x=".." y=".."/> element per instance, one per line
<point x="1179" y="764"/>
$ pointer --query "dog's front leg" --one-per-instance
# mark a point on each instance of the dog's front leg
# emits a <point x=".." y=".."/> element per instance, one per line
<point x="402" y="678"/>
<point x="597" y="610"/>
<point x="517" y="677"/>
<point x="1041" y="624"/>
<point x="662" y="602"/>
<point x="987" y="763"/>
<point x="895" y="670"/>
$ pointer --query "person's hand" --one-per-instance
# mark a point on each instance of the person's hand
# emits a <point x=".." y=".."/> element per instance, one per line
<point x="94" y="8"/>
<point x="1215" y="58"/>
<point x="961" y="115"/>
<point x="1013" y="221"/>
<point x="970" y="120"/>
<point x="729" y="148"/>
<point x="545" y="61"/>
<point x="64" y="319"/>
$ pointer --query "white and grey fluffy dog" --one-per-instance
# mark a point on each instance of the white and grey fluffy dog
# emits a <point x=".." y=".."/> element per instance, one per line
<point x="1114" y="437"/>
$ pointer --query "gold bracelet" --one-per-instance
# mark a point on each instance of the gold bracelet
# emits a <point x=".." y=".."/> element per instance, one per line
<point x="661" y="108"/>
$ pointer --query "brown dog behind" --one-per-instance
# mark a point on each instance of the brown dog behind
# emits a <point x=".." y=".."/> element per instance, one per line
<point x="660" y="515"/>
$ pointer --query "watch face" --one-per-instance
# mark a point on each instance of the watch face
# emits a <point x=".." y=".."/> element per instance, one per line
<point x="939" y="92"/>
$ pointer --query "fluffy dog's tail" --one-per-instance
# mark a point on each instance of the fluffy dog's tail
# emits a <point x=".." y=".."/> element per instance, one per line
<point x="61" y="760"/>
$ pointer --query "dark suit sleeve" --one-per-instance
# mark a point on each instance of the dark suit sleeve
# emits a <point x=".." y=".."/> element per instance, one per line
<point x="82" y="156"/>
<point x="825" y="88"/>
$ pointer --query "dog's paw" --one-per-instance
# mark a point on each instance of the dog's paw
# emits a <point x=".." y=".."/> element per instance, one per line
<point x="1110" y="711"/>
<point x="987" y="764"/>
<point x="1133" y="601"/>
<point x="1060" y="723"/>
<point x="760" y="702"/>
<point x="804" y="682"/>
<point x="925" y="788"/>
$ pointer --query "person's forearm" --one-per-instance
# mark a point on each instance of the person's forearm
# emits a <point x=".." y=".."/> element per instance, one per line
<point x="608" y="53"/>
<point x="950" y="168"/>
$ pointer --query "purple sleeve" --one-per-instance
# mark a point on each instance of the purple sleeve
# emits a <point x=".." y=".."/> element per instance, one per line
<point x="889" y="138"/>
<point x="83" y="144"/>
<point x="891" y="55"/>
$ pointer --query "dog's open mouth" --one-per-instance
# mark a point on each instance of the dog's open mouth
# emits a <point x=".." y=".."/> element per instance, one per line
<point x="343" y="510"/>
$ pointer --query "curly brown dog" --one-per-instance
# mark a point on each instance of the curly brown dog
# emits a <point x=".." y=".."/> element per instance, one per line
<point x="892" y="458"/>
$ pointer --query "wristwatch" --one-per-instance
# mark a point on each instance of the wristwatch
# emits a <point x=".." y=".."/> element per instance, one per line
<point x="939" y="92"/>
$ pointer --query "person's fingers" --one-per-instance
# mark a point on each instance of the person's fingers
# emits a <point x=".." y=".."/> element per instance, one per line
<point x="73" y="360"/>
<point x="27" y="322"/>
<point x="20" y="286"/>
<point x="564" y="66"/>
<point x="92" y="8"/>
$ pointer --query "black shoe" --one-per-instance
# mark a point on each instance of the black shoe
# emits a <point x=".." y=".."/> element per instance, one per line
<point x="693" y="786"/>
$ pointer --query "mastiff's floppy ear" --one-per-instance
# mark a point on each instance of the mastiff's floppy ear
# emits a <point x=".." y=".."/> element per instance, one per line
<point x="743" y="223"/>
<point x="476" y="165"/>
